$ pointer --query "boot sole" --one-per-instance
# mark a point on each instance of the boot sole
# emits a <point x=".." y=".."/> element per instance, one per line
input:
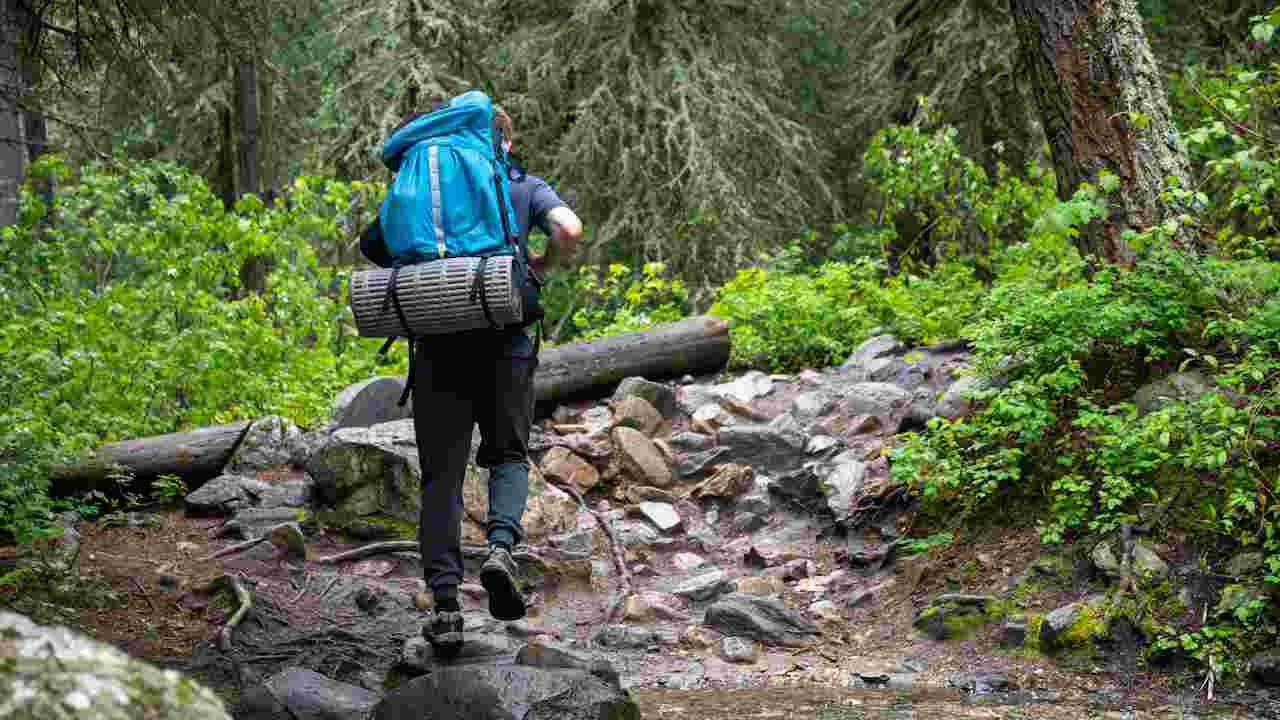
<point x="505" y="601"/>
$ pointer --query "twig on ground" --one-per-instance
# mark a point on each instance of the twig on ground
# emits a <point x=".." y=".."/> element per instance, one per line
<point x="364" y="551"/>
<point x="234" y="549"/>
<point x="306" y="584"/>
<point x="246" y="602"/>
<point x="615" y="551"/>
<point x="143" y="591"/>
<point x="329" y="587"/>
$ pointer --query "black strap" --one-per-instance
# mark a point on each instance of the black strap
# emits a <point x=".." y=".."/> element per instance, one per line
<point x="392" y="299"/>
<point x="502" y="203"/>
<point x="481" y="293"/>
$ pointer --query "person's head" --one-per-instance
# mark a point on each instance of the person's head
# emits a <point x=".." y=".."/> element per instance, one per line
<point x="502" y="123"/>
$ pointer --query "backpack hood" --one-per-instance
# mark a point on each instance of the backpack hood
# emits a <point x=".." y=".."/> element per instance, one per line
<point x="465" y="121"/>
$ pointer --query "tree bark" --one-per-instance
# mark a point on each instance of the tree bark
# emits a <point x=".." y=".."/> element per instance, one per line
<point x="13" y="156"/>
<point x="247" y="111"/>
<point x="693" y="345"/>
<point x="1103" y="105"/>
<point x="226" y="168"/>
<point x="193" y="455"/>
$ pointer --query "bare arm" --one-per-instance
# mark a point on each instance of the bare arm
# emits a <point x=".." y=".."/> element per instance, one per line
<point x="566" y="231"/>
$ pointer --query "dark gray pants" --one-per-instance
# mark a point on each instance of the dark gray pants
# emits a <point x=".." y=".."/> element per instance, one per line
<point x="484" y="378"/>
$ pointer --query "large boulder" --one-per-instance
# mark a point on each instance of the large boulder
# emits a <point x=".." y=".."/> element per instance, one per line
<point x="53" y="673"/>
<point x="763" y="617"/>
<point x="842" y="485"/>
<point x="363" y="471"/>
<point x="370" y="403"/>
<point x="268" y="443"/>
<point x="1178" y="387"/>
<point x="872" y="356"/>
<point x="302" y="694"/>
<point x="507" y="693"/>
<point x="642" y="459"/>
<point x="661" y="397"/>
<point x="770" y="449"/>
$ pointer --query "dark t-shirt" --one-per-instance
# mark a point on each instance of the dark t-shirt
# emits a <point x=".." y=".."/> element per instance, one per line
<point x="532" y="199"/>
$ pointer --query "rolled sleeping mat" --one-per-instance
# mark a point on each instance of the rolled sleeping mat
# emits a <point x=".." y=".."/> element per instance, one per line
<point x="436" y="297"/>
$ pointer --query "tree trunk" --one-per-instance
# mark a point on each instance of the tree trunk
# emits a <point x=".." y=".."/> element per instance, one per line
<point x="192" y="455"/>
<point x="694" y="345"/>
<point x="254" y="270"/>
<point x="226" y="172"/>
<point x="1102" y="102"/>
<point x="13" y="156"/>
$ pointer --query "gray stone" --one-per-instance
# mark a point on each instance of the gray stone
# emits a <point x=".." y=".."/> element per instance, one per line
<point x="956" y="401"/>
<point x="1265" y="668"/>
<point x="54" y="673"/>
<point x="739" y="650"/>
<point x="364" y="471"/>
<point x="635" y="637"/>
<point x="705" y="586"/>
<point x="1182" y="386"/>
<point x="505" y="693"/>
<point x="842" y="486"/>
<point x="691" y="441"/>
<point x="641" y="458"/>
<point x="574" y="542"/>
<point x="1147" y="563"/>
<point x="662" y="515"/>
<point x="873" y="398"/>
<point x="286" y="493"/>
<point x="694" y="464"/>
<point x="746" y="388"/>
<point x="952" y="616"/>
<point x="268" y="443"/>
<point x="221" y="494"/>
<point x="549" y="657"/>
<point x="767" y="449"/>
<point x="687" y="562"/>
<point x="864" y="359"/>
<point x="478" y="648"/>
<point x="1055" y="623"/>
<point x="371" y="402"/>
<point x="762" y="617"/>
<point x="661" y="397"/>
<point x="301" y="694"/>
<point x="1013" y="634"/>
<point x="980" y="683"/>
<point x="636" y="533"/>
<point x="748" y="522"/>
<point x="812" y="404"/>
<point x="819" y="444"/>
<point x="755" y="503"/>
<point x="637" y="413"/>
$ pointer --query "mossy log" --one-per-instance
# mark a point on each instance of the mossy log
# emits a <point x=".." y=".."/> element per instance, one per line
<point x="690" y="346"/>
<point x="192" y="455"/>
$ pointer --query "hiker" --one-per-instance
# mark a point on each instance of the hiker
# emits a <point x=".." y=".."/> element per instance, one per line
<point x="482" y="377"/>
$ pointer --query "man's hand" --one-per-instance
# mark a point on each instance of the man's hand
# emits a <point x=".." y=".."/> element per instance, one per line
<point x="538" y="264"/>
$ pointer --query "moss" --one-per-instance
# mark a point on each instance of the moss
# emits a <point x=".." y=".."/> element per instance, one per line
<point x="1089" y="625"/>
<point x="1031" y="643"/>
<point x="962" y="626"/>
<point x="363" y="526"/>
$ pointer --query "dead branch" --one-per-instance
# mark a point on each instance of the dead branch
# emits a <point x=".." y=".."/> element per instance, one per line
<point x="235" y="549"/>
<point x="615" y="550"/>
<point x="364" y="551"/>
<point x="246" y="602"/>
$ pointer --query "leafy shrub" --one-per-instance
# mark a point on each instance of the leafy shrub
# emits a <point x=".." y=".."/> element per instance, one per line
<point x="619" y="300"/>
<point x="121" y="316"/>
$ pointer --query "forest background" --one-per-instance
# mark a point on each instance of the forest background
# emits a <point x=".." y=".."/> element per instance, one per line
<point x="182" y="186"/>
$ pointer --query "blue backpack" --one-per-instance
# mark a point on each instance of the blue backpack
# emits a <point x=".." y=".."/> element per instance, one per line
<point x="450" y="197"/>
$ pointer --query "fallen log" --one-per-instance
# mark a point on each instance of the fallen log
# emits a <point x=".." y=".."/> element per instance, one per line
<point x="686" y="347"/>
<point x="192" y="455"/>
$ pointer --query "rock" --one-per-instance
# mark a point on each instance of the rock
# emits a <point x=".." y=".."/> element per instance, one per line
<point x="635" y="637"/>
<point x="812" y="404"/>
<point x="61" y="551"/>
<point x="1244" y="565"/>
<point x="692" y="442"/>
<point x="504" y="693"/>
<point x="663" y="606"/>
<point x="794" y="570"/>
<point x="748" y="522"/>
<point x="54" y="673"/>
<point x="694" y="464"/>
<point x="301" y="694"/>
<point x="1147" y="564"/>
<point x="952" y="616"/>
<point x="842" y="486"/>
<point x="562" y="465"/>
<point x="638" y="414"/>
<point x="550" y="510"/>
<point x="1013" y="634"/>
<point x="268" y="443"/>
<point x="222" y="494"/>
<point x="729" y="480"/>
<point x="687" y="562"/>
<point x="980" y="683"/>
<point x="364" y="471"/>
<point x="1265" y="668"/>
<point x="289" y="540"/>
<point x="642" y="458"/>
<point x="871" y="355"/>
<point x="956" y="401"/>
<point x="1069" y="627"/>
<point x="371" y="402"/>
<point x="750" y="386"/>
<point x="766" y="448"/>
<point x="760" y="585"/>
<point x="1182" y="386"/>
<point x="761" y="617"/>
<point x="419" y="656"/>
<point x="739" y="650"/>
<point x="705" y="586"/>
<point x="827" y="610"/>
<point x="819" y="444"/>
<point x="636" y="609"/>
<point x="661" y="397"/>
<point x="547" y="657"/>
<point x="256" y="522"/>
<point x="282" y="493"/>
<point x="576" y="543"/>
<point x="756" y="503"/>
<point x="879" y="399"/>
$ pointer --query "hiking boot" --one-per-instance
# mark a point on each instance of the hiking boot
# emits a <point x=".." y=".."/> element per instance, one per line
<point x="445" y="633"/>
<point x="498" y="576"/>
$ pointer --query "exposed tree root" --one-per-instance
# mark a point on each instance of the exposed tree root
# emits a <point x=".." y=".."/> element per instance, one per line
<point x="235" y="549"/>
<point x="364" y="551"/>
<point x="614" y="611"/>
<point x="246" y="603"/>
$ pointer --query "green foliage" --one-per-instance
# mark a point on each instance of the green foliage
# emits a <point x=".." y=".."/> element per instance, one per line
<point x="122" y="316"/>
<point x="917" y="546"/>
<point x="792" y="320"/>
<point x="620" y="300"/>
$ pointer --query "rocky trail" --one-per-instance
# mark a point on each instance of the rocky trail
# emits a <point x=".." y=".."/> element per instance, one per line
<point x="712" y="548"/>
